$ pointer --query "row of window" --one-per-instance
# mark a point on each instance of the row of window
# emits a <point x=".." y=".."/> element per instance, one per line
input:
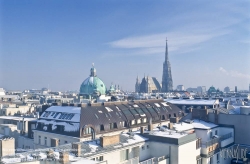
<point x="98" y="158"/>
<point x="46" y="141"/>
<point x="65" y="116"/>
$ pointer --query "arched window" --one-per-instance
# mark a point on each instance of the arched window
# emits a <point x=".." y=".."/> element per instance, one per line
<point x="101" y="127"/>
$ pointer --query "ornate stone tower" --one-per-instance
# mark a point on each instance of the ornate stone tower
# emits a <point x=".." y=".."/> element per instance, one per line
<point x="167" y="82"/>
<point x="137" y="85"/>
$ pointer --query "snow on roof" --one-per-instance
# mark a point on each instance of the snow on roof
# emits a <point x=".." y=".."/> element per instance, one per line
<point x="64" y="109"/>
<point x="183" y="126"/>
<point x="190" y="101"/>
<point x="168" y="133"/>
<point x="135" y="139"/>
<point x="69" y="127"/>
<point x="199" y="124"/>
<point x="17" y="118"/>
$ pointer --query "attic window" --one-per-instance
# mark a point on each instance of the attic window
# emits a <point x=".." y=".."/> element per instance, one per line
<point x="158" y="105"/>
<point x="61" y="116"/>
<point x="68" y="115"/>
<point x="55" y="115"/>
<point x="109" y="109"/>
<point x="64" y="116"/>
<point x="164" y="104"/>
<point x="117" y="108"/>
<point x="71" y="116"/>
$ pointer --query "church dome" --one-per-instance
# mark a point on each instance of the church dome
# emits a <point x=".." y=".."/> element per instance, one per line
<point x="92" y="85"/>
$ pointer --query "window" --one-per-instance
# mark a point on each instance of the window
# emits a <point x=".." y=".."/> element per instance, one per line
<point x="62" y="114"/>
<point x="65" y="142"/>
<point x="211" y="160"/>
<point x="142" y="147"/>
<point x="39" y="139"/>
<point x="68" y="115"/>
<point x="124" y="155"/>
<point x="108" y="109"/>
<point x="217" y="157"/>
<point x="55" y="115"/>
<point x="198" y="161"/>
<point x="174" y="114"/>
<point x="147" y="146"/>
<point x="216" y="132"/>
<point x="211" y="134"/>
<point x="45" y="140"/>
<point x="101" y="127"/>
<point x="198" y="143"/>
<point x="71" y="116"/>
<point x="132" y="122"/>
<point x="113" y="125"/>
<point x="88" y="130"/>
<point x="100" y="158"/>
<point x="138" y="121"/>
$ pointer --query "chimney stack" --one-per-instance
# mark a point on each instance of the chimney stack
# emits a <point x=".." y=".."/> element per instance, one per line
<point x="170" y="125"/>
<point x="109" y="140"/>
<point x="64" y="157"/>
<point x="150" y="125"/>
<point x="54" y="142"/>
<point x="76" y="149"/>
<point x="142" y="130"/>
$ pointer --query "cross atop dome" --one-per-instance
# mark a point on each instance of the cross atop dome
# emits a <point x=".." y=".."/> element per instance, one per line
<point x="93" y="71"/>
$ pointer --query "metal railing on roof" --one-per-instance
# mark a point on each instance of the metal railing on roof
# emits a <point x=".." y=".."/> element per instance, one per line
<point x="217" y="140"/>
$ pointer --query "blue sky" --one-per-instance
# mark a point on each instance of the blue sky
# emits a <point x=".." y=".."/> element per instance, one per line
<point x="55" y="42"/>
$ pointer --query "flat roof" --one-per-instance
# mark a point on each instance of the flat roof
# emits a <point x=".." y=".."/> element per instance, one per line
<point x="17" y="118"/>
<point x="190" y="101"/>
<point x="64" y="109"/>
<point x="199" y="124"/>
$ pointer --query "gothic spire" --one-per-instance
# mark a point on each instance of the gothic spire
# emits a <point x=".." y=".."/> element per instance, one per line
<point x="166" y="51"/>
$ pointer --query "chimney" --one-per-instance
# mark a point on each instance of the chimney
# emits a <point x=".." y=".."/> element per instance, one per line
<point x="76" y="147"/>
<point x="150" y="125"/>
<point x="109" y="140"/>
<point x="63" y="157"/>
<point x="170" y="125"/>
<point x="54" y="142"/>
<point x="142" y="130"/>
<point x="191" y="110"/>
<point x="174" y="120"/>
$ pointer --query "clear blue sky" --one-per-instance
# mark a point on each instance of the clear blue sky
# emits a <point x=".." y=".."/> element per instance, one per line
<point x="54" y="43"/>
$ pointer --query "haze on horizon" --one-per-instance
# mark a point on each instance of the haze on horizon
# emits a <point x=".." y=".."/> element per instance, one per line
<point x="55" y="42"/>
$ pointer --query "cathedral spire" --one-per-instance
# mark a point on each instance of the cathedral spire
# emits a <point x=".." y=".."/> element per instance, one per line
<point x="166" y="51"/>
<point x="167" y="82"/>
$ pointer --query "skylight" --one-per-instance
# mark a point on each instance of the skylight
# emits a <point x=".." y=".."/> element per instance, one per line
<point x="156" y="104"/>
<point x="164" y="104"/>
<point x="109" y="109"/>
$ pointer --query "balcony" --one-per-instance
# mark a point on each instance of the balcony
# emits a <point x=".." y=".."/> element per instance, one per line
<point x="156" y="160"/>
<point x="131" y="161"/>
<point x="216" y="143"/>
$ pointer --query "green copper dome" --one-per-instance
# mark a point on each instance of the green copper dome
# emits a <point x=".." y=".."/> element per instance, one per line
<point x="93" y="85"/>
